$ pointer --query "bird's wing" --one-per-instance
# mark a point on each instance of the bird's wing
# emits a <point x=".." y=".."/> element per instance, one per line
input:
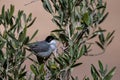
<point x="40" y="46"/>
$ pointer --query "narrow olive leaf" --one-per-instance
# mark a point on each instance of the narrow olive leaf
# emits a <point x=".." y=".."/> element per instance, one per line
<point x="1" y="54"/>
<point x="34" y="69"/>
<point x="47" y="6"/>
<point x="58" y="61"/>
<point x="93" y="36"/>
<point x="82" y="52"/>
<point x="3" y="12"/>
<point x="12" y="36"/>
<point x="100" y="31"/>
<point x="41" y="68"/>
<point x="103" y="18"/>
<point x="86" y="78"/>
<point x="109" y="35"/>
<point x="63" y="37"/>
<point x="56" y="22"/>
<point x="5" y="65"/>
<point x="103" y="10"/>
<point x="22" y="75"/>
<point x="86" y="18"/>
<point x="101" y="66"/>
<point x="100" y="7"/>
<point x="31" y="22"/>
<point x="102" y="38"/>
<point x="29" y="17"/>
<point x="72" y="78"/>
<point x="110" y="74"/>
<point x="22" y="35"/>
<point x="2" y="38"/>
<point x="58" y="30"/>
<point x="11" y="10"/>
<point x="63" y="3"/>
<point x="26" y="40"/>
<point x="100" y="45"/>
<point x="75" y="65"/>
<point x="79" y="28"/>
<point x="61" y="17"/>
<point x="23" y="69"/>
<point x="20" y="13"/>
<point x="66" y="60"/>
<point x="67" y="56"/>
<point x="57" y="17"/>
<point x="110" y="40"/>
<point x="34" y="35"/>
<point x="94" y="72"/>
<point x="71" y="28"/>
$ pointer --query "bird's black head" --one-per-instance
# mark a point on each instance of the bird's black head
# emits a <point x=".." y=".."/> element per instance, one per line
<point x="49" y="39"/>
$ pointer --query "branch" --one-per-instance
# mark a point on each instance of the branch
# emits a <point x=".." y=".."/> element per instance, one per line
<point x="31" y="2"/>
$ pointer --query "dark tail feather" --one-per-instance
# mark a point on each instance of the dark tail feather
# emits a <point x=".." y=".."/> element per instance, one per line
<point x="40" y="60"/>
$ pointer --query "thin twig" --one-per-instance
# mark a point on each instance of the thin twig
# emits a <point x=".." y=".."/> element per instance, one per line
<point x="31" y="2"/>
<point x="95" y="54"/>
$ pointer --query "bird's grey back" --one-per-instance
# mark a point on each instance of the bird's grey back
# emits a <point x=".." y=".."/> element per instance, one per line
<point x="40" y="46"/>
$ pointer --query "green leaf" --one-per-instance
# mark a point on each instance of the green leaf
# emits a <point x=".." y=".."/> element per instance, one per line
<point x="93" y="36"/>
<point x="22" y="35"/>
<point x="100" y="45"/>
<point x="3" y="12"/>
<point x="65" y="60"/>
<point x="103" y="10"/>
<point x="34" y="35"/>
<point x="100" y="7"/>
<point x="31" y="22"/>
<point x="56" y="22"/>
<point x="110" y="41"/>
<point x="86" y="18"/>
<point x="75" y="65"/>
<point x="29" y="17"/>
<point x="1" y="55"/>
<point x="58" y="30"/>
<point x="63" y="37"/>
<point x="34" y="69"/>
<point x="22" y="75"/>
<point x="95" y="73"/>
<point x="58" y="61"/>
<point x="11" y="35"/>
<point x="26" y="40"/>
<point x="47" y="6"/>
<point x="11" y="10"/>
<point x="82" y="51"/>
<point x="41" y="68"/>
<point x="101" y="66"/>
<point x="102" y="38"/>
<point x="110" y="74"/>
<point x="103" y="18"/>
<point x="109" y="35"/>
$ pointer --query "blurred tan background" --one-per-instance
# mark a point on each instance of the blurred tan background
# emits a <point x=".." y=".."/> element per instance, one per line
<point x="45" y="25"/>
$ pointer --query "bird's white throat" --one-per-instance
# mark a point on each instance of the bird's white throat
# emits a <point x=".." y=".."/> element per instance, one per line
<point x="53" y="44"/>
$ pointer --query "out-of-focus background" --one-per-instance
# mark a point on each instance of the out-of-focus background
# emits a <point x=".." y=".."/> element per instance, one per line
<point x="45" y="25"/>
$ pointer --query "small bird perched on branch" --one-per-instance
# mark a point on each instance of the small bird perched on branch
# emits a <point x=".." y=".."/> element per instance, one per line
<point x="43" y="49"/>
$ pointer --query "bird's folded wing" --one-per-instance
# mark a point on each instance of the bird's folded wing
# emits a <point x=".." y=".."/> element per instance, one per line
<point x="40" y="46"/>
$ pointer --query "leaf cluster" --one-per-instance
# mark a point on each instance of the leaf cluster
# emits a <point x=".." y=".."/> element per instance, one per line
<point x="13" y="38"/>
<point x="102" y="73"/>
<point x="77" y="24"/>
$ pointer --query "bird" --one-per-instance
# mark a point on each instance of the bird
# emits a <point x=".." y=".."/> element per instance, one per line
<point x="43" y="49"/>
